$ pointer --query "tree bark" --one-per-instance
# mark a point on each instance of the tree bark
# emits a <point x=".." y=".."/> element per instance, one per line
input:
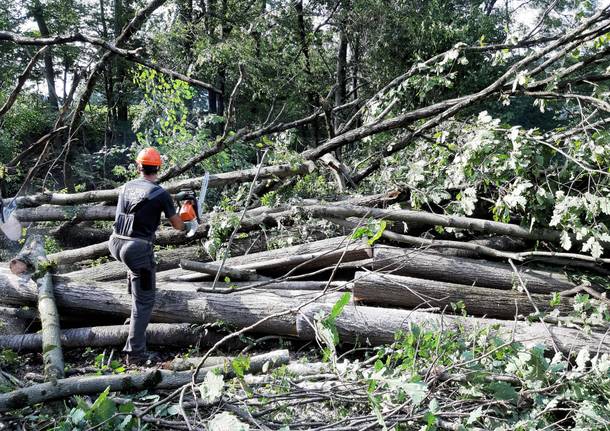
<point x="21" y="80"/>
<point x="67" y="257"/>
<point x="14" y="321"/>
<point x="430" y="219"/>
<point x="37" y="12"/>
<point x="383" y="289"/>
<point x="166" y="259"/>
<point x="211" y="268"/>
<point x="65" y="213"/>
<point x="175" y="302"/>
<point x="154" y="379"/>
<point x="32" y="260"/>
<point x="313" y="255"/>
<point x="376" y="326"/>
<point x="216" y="180"/>
<point x="461" y="270"/>
<point x="325" y="252"/>
<point x="159" y="334"/>
<point x="165" y="237"/>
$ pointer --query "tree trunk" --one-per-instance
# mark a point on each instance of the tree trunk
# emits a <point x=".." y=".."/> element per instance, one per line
<point x="215" y="181"/>
<point x="383" y="289"/>
<point x="312" y="99"/>
<point x="33" y="261"/>
<point x="14" y="321"/>
<point x="65" y="213"/>
<point x="159" y="334"/>
<point x="132" y="382"/>
<point x="175" y="302"/>
<point x="313" y="255"/>
<point x="37" y="12"/>
<point x="461" y="270"/>
<point x="326" y="252"/>
<point x="67" y="257"/>
<point x="341" y="80"/>
<point x="121" y="14"/>
<point x="212" y="268"/>
<point x="166" y="259"/>
<point x="430" y="219"/>
<point x="359" y="324"/>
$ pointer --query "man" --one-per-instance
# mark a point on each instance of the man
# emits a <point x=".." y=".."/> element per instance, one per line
<point x="138" y="215"/>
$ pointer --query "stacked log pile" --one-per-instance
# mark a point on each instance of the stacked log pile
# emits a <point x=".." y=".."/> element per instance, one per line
<point x="285" y="287"/>
<point x="395" y="282"/>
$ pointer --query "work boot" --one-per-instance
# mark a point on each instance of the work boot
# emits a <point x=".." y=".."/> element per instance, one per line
<point x="143" y="358"/>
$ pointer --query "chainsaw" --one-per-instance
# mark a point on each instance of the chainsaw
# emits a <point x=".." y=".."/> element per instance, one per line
<point x="191" y="205"/>
<point x="9" y="224"/>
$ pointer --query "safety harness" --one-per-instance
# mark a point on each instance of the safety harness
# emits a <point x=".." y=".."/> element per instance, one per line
<point x="131" y="199"/>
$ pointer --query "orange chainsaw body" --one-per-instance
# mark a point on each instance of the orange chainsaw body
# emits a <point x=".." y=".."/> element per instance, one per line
<point x="187" y="211"/>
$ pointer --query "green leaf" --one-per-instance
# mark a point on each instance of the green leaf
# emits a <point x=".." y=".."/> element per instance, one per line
<point x="417" y="391"/>
<point x="382" y="226"/>
<point x="76" y="416"/>
<point x="226" y="421"/>
<point x="240" y="365"/>
<point x="503" y="391"/>
<point x="339" y="306"/>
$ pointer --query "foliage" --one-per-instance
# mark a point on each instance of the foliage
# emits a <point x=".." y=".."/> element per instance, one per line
<point x="104" y="414"/>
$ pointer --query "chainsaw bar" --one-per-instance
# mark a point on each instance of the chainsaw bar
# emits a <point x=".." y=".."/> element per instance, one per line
<point x="202" y="192"/>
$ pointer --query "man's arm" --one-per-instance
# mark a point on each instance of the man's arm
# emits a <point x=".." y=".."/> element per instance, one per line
<point x="177" y="222"/>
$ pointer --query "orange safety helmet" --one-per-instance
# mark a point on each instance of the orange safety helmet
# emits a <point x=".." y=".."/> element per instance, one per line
<point x="149" y="157"/>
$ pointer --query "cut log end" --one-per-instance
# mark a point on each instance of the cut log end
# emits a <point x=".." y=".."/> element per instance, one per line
<point x="18" y="266"/>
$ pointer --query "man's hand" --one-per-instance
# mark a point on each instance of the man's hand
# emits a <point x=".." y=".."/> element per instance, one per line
<point x="177" y="222"/>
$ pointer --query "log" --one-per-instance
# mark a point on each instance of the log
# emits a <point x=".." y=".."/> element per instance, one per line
<point x="462" y="270"/>
<point x="32" y="259"/>
<point x="266" y="260"/>
<point x="476" y="248"/>
<point x="14" y="321"/>
<point x="166" y="259"/>
<point x="160" y="334"/>
<point x="310" y="256"/>
<point x="129" y="382"/>
<point x="67" y="257"/>
<point x="164" y="237"/>
<point x="216" y="180"/>
<point x="65" y="213"/>
<point x="183" y="364"/>
<point x="71" y="235"/>
<point x="175" y="302"/>
<point x="313" y="255"/>
<point x="377" y="326"/>
<point x="204" y="283"/>
<point x="383" y="289"/>
<point x="430" y="219"/>
<point x="213" y="268"/>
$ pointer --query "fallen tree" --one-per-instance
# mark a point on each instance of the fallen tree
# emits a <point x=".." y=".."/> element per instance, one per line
<point x="462" y="270"/>
<point x="315" y="254"/>
<point x="376" y="326"/>
<point x="32" y="262"/>
<point x="383" y="289"/>
<point x="216" y="180"/>
<point x="129" y="382"/>
<point x="159" y="334"/>
<point x="164" y="237"/>
<point x="213" y="268"/>
<point x="166" y="259"/>
<point x="174" y="303"/>
<point x="14" y="321"/>
<point x="431" y="219"/>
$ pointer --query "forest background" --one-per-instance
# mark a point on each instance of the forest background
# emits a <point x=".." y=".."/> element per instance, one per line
<point x="492" y="110"/>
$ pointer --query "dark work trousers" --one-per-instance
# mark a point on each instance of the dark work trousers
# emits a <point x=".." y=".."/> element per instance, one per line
<point x="139" y="258"/>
